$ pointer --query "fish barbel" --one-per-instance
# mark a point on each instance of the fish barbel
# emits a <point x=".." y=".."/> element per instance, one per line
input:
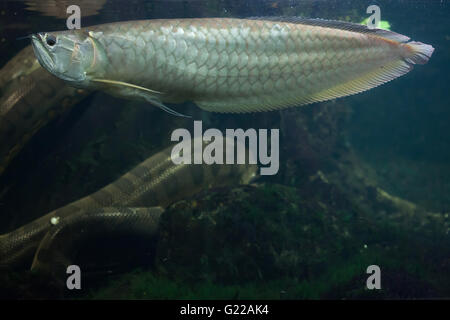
<point x="229" y="65"/>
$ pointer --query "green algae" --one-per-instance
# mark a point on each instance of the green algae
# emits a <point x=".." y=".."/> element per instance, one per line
<point x="269" y="242"/>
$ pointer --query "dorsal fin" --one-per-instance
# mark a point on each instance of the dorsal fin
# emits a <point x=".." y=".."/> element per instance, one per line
<point x="348" y="26"/>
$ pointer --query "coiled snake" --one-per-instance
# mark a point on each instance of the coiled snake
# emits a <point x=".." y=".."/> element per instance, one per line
<point x="130" y="205"/>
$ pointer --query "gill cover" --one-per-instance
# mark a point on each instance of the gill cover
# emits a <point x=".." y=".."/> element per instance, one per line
<point x="69" y="55"/>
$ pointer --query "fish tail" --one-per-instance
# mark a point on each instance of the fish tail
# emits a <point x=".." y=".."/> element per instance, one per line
<point x="418" y="52"/>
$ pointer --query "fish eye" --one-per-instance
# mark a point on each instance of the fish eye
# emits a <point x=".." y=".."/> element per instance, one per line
<point x="51" y="40"/>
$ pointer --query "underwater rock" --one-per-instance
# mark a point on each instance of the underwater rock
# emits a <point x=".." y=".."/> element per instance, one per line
<point x="358" y="180"/>
<point x="252" y="233"/>
<point x="313" y="234"/>
<point x="312" y="138"/>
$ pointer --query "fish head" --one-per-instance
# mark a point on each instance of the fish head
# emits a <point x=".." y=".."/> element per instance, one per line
<point x="69" y="55"/>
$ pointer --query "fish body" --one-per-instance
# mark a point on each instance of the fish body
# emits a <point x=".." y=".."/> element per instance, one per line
<point x="229" y="65"/>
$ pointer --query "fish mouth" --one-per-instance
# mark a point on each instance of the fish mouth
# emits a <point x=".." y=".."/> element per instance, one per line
<point x="41" y="53"/>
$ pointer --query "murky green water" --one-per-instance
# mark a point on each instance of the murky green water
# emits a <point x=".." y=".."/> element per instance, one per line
<point x="363" y="180"/>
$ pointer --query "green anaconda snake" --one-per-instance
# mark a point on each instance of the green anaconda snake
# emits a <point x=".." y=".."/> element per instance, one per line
<point x="30" y="98"/>
<point x="130" y="205"/>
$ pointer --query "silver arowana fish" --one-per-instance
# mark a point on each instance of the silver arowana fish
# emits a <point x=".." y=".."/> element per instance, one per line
<point x="229" y="65"/>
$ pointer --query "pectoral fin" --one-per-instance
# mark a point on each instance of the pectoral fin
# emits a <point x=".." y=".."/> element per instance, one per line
<point x="145" y="93"/>
<point x="126" y="84"/>
<point x="160" y="105"/>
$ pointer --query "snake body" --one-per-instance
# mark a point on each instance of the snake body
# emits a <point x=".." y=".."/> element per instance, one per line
<point x="61" y="244"/>
<point x="155" y="182"/>
<point x="31" y="98"/>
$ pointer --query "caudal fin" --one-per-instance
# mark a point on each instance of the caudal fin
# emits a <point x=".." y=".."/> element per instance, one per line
<point x="418" y="52"/>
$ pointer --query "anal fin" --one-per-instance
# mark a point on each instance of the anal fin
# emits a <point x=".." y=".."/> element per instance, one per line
<point x="125" y="84"/>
